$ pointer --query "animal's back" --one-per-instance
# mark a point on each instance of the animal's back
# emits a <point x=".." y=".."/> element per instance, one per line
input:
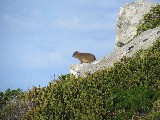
<point x="87" y="57"/>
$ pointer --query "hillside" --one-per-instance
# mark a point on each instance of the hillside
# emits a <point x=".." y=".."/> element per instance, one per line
<point x="129" y="89"/>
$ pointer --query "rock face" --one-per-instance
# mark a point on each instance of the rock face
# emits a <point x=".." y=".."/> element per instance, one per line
<point x="143" y="41"/>
<point x="129" y="18"/>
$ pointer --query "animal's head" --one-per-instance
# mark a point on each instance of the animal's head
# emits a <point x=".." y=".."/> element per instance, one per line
<point x="75" y="54"/>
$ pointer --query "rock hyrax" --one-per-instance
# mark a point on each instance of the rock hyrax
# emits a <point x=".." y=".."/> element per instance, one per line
<point x="84" y="57"/>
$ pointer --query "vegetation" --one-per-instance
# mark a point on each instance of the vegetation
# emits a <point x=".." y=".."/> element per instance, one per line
<point x="8" y="103"/>
<point x="151" y="20"/>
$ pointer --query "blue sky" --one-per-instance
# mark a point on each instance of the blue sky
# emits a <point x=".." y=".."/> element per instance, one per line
<point x="38" y="37"/>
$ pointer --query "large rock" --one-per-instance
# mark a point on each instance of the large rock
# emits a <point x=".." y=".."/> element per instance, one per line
<point x="143" y="41"/>
<point x="129" y="18"/>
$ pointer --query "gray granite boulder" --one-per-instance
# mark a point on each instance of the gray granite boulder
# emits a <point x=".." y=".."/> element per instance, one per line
<point x="130" y="16"/>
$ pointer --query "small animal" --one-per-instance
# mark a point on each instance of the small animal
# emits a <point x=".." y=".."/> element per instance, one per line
<point x="84" y="57"/>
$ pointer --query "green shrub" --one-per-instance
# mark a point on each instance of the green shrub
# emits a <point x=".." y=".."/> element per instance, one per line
<point x="151" y="20"/>
<point x="12" y="106"/>
<point x="155" y="112"/>
<point x="9" y="95"/>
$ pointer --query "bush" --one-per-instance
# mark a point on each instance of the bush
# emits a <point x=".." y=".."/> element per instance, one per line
<point x="155" y="112"/>
<point x="12" y="104"/>
<point x="151" y="20"/>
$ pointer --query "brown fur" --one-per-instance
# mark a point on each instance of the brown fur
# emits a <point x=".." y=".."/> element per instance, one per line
<point x="84" y="57"/>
